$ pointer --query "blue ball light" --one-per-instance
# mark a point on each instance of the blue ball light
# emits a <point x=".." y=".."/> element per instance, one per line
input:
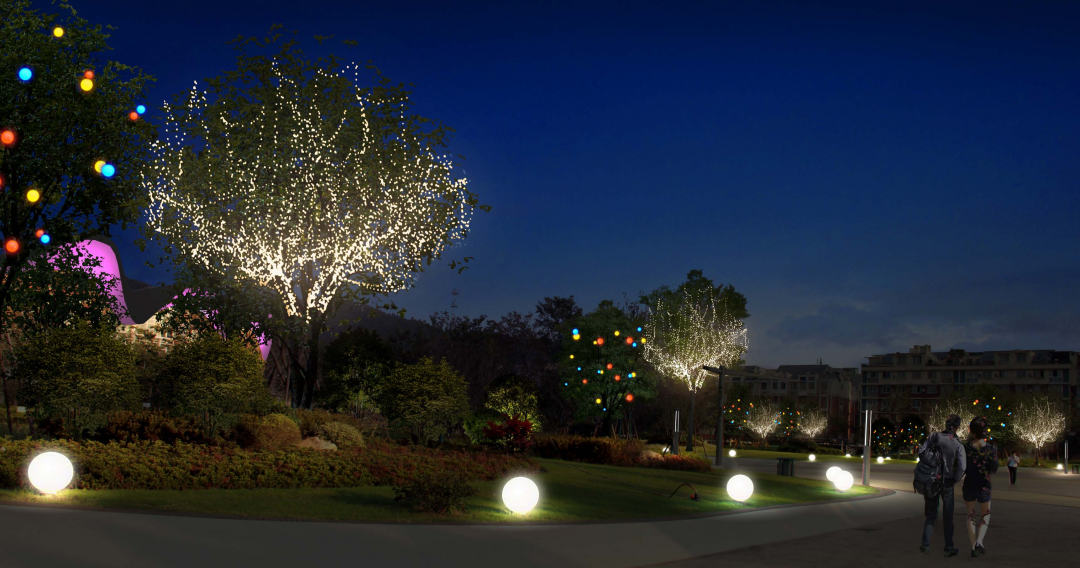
<point x="108" y="170"/>
<point x="25" y="74"/>
<point x="599" y="372"/>
<point x="639" y="329"/>
<point x="575" y="331"/>
<point x="579" y="368"/>
<point x="566" y="384"/>
<point x="45" y="239"/>
<point x="141" y="109"/>
<point x="635" y="344"/>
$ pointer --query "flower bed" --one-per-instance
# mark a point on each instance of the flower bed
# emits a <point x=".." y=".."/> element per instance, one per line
<point x="156" y="465"/>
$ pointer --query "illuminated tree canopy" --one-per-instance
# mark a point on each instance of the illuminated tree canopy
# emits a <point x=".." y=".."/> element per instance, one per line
<point x="761" y="419"/>
<point x="1038" y="421"/>
<point x="287" y="173"/>
<point x="812" y="422"/>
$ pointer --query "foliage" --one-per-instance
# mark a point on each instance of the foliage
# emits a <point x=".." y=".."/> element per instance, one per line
<point x="425" y="398"/>
<point x="342" y="435"/>
<point x="912" y="429"/>
<point x="511" y="433"/>
<point x="603" y="451"/>
<point x="1038" y="421"/>
<point x="514" y="396"/>
<point x="156" y="465"/>
<point x="883" y="435"/>
<point x="762" y="419"/>
<point x="212" y="378"/>
<point x="355" y="365"/>
<point x="805" y="446"/>
<point x="355" y="208"/>
<point x="475" y="423"/>
<point x="435" y="492"/>
<point x="60" y="133"/>
<point x="126" y="426"/>
<point x="61" y="286"/>
<point x="273" y="432"/>
<point x="77" y="374"/>
<point x="730" y="301"/>
<point x="983" y="400"/>
<point x="811" y="422"/>
<point x="679" y="463"/>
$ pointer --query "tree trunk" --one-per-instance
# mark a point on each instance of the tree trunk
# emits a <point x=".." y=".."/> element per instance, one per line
<point x="690" y="425"/>
<point x="312" y="374"/>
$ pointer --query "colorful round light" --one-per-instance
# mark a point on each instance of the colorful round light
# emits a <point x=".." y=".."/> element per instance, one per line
<point x="141" y="109"/>
<point x="639" y="330"/>
<point x="599" y="340"/>
<point x="39" y="232"/>
<point x="629" y="340"/>
<point x="45" y="239"/>
<point x="88" y="74"/>
<point x="609" y="365"/>
<point x="33" y="196"/>
<point x="133" y="116"/>
<point x="598" y="401"/>
<point x="584" y="381"/>
<point x="98" y="165"/>
<point x="575" y="331"/>
<point x="108" y="170"/>
<point x="571" y="355"/>
<point x="616" y="333"/>
<point x="629" y="397"/>
<point x="576" y="337"/>
<point x="740" y="488"/>
<point x="25" y="74"/>
<point x="844" y="480"/>
<point x="86" y="85"/>
<point x="58" y="32"/>
<point x="7" y="137"/>
<point x="520" y="495"/>
<point x="12" y="246"/>
<point x="617" y="377"/>
<point x="50" y="472"/>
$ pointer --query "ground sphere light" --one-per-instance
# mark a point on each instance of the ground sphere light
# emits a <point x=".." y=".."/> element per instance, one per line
<point x="520" y="495"/>
<point x="880" y="459"/>
<point x="843" y="480"/>
<point x="812" y="457"/>
<point x="50" y="472"/>
<point x="731" y="453"/>
<point x="830" y="473"/>
<point x="740" y="488"/>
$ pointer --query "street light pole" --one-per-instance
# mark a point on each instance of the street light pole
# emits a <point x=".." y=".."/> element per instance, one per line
<point x="719" y="413"/>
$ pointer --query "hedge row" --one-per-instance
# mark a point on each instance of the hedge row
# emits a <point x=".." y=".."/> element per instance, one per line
<point x="156" y="465"/>
<point x="611" y="451"/>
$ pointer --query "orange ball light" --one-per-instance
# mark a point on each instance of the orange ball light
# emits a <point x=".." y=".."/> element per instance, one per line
<point x="12" y="246"/>
<point x="609" y="365"/>
<point x="584" y="381"/>
<point x="599" y="340"/>
<point x="88" y="74"/>
<point x="133" y="116"/>
<point x="629" y="397"/>
<point x="617" y="377"/>
<point x="39" y="232"/>
<point x="7" y="137"/>
<point x="629" y="340"/>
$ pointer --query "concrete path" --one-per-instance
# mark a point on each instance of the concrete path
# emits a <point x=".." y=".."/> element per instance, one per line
<point x="51" y="537"/>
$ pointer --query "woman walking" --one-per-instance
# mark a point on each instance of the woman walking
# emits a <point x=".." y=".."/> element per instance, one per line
<point x="982" y="462"/>
<point x="1014" y="462"/>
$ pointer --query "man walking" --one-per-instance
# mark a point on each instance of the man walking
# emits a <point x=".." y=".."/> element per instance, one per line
<point x="1014" y="462"/>
<point x="952" y="452"/>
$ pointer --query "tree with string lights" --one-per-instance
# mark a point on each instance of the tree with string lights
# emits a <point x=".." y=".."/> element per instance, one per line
<point x="812" y="422"/>
<point x="286" y="173"/>
<point x="762" y="418"/>
<point x="1038" y="421"/>
<point x="685" y="334"/>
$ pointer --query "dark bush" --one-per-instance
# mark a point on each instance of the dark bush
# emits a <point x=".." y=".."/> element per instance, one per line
<point x="680" y="463"/>
<point x="435" y="492"/>
<point x="805" y="446"/>
<point x="510" y="434"/>
<point x="127" y="426"/>
<point x="341" y="434"/>
<point x="272" y="432"/>
<point x="603" y="451"/>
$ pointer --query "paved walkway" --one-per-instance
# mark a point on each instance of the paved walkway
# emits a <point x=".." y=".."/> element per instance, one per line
<point x="51" y="537"/>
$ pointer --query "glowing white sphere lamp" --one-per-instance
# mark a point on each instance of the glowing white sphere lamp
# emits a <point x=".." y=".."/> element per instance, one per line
<point x="889" y="458"/>
<point x="830" y="473"/>
<point x="843" y="481"/>
<point x="847" y="455"/>
<point x="740" y="488"/>
<point x="50" y="472"/>
<point x="731" y="453"/>
<point x="1060" y="466"/>
<point x="520" y="495"/>
<point x="812" y="457"/>
<point x="880" y="459"/>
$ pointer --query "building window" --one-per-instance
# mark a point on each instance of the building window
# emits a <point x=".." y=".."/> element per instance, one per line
<point x="783" y="385"/>
<point x="885" y="389"/>
<point x="776" y="385"/>
<point x="932" y="389"/>
<point x="916" y="404"/>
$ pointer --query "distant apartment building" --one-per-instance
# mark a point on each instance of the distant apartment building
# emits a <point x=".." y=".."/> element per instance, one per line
<point x="830" y="389"/>
<point x="898" y="384"/>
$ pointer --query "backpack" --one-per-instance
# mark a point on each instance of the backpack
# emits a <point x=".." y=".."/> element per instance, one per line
<point x="930" y="471"/>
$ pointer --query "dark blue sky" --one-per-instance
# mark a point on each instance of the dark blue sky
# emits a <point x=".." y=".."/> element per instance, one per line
<point x="870" y="177"/>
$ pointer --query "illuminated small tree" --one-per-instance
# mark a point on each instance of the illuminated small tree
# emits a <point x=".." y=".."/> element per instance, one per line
<point x="682" y="337"/>
<point x="762" y="419"/>
<point x="812" y="422"/>
<point x="293" y="177"/>
<point x="1038" y="421"/>
<point x="936" y="421"/>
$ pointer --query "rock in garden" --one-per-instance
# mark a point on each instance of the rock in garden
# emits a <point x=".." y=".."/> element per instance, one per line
<point x="316" y="444"/>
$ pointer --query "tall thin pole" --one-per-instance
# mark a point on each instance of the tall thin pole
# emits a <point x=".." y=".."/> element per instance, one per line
<point x="720" y="419"/>
<point x="866" y="449"/>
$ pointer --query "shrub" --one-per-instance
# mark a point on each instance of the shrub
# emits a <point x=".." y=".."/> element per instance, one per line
<point x="511" y="434"/>
<point x="273" y="432"/>
<point x="798" y="445"/>
<point x="424" y="399"/>
<point x="435" y="492"/>
<point x="603" y="451"/>
<point x="342" y="435"/>
<point x="680" y="462"/>
<point x="125" y="426"/>
<point x="311" y="420"/>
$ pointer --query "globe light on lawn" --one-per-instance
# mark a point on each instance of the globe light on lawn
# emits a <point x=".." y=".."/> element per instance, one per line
<point x="1060" y="466"/>
<point x="847" y="455"/>
<point x="880" y="459"/>
<point x="832" y="472"/>
<point x="843" y="480"/>
<point x="520" y="495"/>
<point x="740" y="488"/>
<point x="50" y="472"/>
<point x="731" y="453"/>
<point x="812" y="457"/>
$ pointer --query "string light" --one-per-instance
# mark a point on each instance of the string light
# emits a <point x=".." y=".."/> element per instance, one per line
<point x="58" y="32"/>
<point x="33" y="196"/>
<point x="812" y="423"/>
<point x="7" y="137"/>
<point x="11" y="246"/>
<point x="25" y="74"/>
<point x="141" y="109"/>
<point x="108" y="170"/>
<point x="98" y="165"/>
<point x="1038" y="422"/>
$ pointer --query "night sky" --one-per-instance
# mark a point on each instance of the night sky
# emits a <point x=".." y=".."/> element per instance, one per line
<point x="870" y="178"/>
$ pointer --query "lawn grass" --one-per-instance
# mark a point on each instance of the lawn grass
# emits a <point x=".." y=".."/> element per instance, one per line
<point x="771" y="455"/>
<point x="569" y="492"/>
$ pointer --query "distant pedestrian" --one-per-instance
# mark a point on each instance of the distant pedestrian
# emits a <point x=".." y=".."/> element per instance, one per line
<point x="952" y="452"/>
<point x="1014" y="462"/>
<point x="982" y="463"/>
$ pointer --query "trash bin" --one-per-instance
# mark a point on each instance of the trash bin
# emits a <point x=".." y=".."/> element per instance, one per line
<point x="1076" y="469"/>
<point x="785" y="466"/>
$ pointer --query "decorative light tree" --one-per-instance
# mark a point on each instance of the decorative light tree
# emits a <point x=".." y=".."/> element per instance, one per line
<point x="1038" y="421"/>
<point x="289" y="175"/>
<point x="812" y="422"/>
<point x="684" y="336"/>
<point x="762" y="419"/>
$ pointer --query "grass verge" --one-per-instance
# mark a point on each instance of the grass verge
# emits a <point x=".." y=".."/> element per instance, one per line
<point x="569" y="492"/>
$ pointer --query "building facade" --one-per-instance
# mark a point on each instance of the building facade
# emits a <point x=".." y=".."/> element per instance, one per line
<point x="898" y="384"/>
<point x="830" y="389"/>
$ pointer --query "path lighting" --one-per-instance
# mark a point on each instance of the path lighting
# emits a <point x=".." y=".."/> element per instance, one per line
<point x="520" y="495"/>
<point x="812" y="457"/>
<point x="888" y="458"/>
<point x="1060" y="466"/>
<point x="731" y="453"/>
<point x="831" y="473"/>
<point x="843" y="481"/>
<point x="880" y="459"/>
<point x="50" y="472"/>
<point x="740" y="488"/>
<point x="847" y="455"/>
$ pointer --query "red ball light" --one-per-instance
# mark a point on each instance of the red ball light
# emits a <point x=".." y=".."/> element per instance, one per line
<point x="609" y="366"/>
<point x="629" y="397"/>
<point x="89" y="74"/>
<point x="12" y="246"/>
<point x="7" y="137"/>
<point x="584" y="381"/>
<point x="629" y="340"/>
<point x="599" y="340"/>
<point x="133" y="116"/>
<point x="39" y="232"/>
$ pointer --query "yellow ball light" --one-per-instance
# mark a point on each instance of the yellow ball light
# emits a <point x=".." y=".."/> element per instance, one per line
<point x="643" y="340"/>
<point x="86" y="85"/>
<point x="598" y="401"/>
<point x="571" y="356"/>
<point x="58" y="32"/>
<point x="577" y="337"/>
<point x="98" y="165"/>
<point x="33" y="196"/>
<point x="616" y="333"/>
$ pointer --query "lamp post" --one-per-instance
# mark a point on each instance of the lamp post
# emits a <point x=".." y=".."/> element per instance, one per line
<point x="867" y="443"/>
<point x="719" y="413"/>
